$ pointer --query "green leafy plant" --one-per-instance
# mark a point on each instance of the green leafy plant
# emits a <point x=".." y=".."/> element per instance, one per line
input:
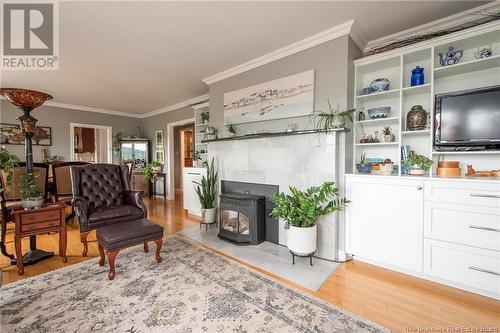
<point x="8" y="162"/>
<point x="207" y="187"/>
<point x="303" y="208"/>
<point x="363" y="160"/>
<point x="230" y="128"/>
<point x="323" y="120"/>
<point x="150" y="170"/>
<point x="28" y="186"/>
<point x="420" y="161"/>
<point x="116" y="146"/>
<point x="387" y="130"/>
<point x="195" y="155"/>
<point x="205" y="116"/>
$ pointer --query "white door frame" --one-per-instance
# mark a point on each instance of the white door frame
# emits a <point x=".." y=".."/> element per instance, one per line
<point x="170" y="154"/>
<point x="109" y="136"/>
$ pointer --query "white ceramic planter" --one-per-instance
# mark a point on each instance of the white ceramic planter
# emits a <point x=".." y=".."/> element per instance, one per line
<point x="416" y="171"/>
<point x="337" y="121"/>
<point x="208" y="215"/>
<point x="31" y="203"/>
<point x="301" y="240"/>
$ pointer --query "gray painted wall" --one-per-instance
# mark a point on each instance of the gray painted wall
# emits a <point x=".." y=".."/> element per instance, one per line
<point x="59" y="119"/>
<point x="330" y="61"/>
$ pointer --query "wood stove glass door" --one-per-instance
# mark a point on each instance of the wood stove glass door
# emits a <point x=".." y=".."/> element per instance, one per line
<point x="235" y="222"/>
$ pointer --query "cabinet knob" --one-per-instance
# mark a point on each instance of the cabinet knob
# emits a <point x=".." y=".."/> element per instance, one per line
<point x="419" y="188"/>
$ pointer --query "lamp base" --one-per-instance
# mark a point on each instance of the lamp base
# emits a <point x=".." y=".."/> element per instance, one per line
<point x="33" y="256"/>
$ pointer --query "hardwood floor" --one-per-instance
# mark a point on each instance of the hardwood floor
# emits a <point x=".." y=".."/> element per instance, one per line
<point x="394" y="300"/>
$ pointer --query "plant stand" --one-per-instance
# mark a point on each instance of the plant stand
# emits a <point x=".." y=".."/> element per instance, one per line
<point x="310" y="255"/>
<point x="207" y="224"/>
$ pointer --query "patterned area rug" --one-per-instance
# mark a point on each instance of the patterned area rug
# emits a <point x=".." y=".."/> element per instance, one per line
<point x="192" y="290"/>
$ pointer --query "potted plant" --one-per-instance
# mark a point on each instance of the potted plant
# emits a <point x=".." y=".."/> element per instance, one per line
<point x="364" y="166"/>
<point x="207" y="194"/>
<point x="231" y="129"/>
<point x="31" y="195"/>
<point x="388" y="135"/>
<point x="301" y="210"/>
<point x="418" y="164"/>
<point x="334" y="118"/>
<point x="386" y="167"/>
<point x="151" y="169"/>
<point x="205" y="117"/>
<point x="195" y="156"/>
<point x="8" y="162"/>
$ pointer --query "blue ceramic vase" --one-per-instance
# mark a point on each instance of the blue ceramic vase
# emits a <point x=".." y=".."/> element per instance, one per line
<point x="417" y="76"/>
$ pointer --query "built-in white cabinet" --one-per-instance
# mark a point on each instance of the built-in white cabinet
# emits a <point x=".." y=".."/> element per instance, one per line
<point x="190" y="198"/>
<point x="385" y="221"/>
<point x="445" y="230"/>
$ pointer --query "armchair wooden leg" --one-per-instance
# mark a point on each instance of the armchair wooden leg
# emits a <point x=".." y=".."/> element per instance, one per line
<point x="83" y="239"/>
<point x="111" y="260"/>
<point x="146" y="247"/>
<point x="159" y="243"/>
<point x="3" y="250"/>
<point x="101" y="254"/>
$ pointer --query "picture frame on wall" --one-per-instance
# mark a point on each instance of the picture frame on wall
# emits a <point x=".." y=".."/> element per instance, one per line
<point x="159" y="138"/>
<point x="160" y="156"/>
<point x="11" y="134"/>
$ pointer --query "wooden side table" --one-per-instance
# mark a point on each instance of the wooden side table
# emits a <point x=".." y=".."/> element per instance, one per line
<point x="162" y="175"/>
<point x="49" y="218"/>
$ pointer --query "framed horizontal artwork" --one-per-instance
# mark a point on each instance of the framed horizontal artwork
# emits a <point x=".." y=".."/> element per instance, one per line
<point x="291" y="96"/>
<point x="160" y="156"/>
<point x="11" y="134"/>
<point x="159" y="138"/>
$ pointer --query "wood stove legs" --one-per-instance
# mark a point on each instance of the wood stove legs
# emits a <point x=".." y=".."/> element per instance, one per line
<point x="310" y="255"/>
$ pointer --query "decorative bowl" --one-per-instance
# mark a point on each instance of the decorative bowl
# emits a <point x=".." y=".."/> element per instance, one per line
<point x="364" y="168"/>
<point x="379" y="112"/>
<point x="386" y="169"/>
<point x="379" y="85"/>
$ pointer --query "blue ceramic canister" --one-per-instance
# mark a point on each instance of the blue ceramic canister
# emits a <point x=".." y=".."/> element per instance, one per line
<point x="417" y="76"/>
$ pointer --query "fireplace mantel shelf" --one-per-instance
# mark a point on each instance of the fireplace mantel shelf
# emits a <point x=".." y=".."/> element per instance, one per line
<point x="272" y="134"/>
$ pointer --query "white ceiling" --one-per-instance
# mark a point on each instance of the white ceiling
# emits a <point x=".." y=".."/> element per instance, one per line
<point x="138" y="57"/>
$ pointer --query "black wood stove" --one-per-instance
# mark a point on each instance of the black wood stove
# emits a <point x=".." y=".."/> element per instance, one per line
<point x="242" y="218"/>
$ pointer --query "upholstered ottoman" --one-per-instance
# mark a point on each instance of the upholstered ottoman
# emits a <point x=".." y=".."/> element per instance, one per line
<point x="114" y="237"/>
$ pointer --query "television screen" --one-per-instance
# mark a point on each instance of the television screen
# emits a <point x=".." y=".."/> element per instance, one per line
<point x="469" y="117"/>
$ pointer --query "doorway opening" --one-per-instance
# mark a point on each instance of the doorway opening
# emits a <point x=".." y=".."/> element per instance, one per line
<point x="90" y="143"/>
<point x="183" y="150"/>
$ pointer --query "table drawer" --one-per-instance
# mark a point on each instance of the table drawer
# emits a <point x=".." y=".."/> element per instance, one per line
<point x="469" y="193"/>
<point x="40" y="226"/>
<point x="469" y="225"/>
<point x="468" y="266"/>
<point x="41" y="217"/>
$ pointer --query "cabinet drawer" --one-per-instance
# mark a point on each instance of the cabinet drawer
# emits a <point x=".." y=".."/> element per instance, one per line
<point x="469" y="193"/>
<point x="40" y="217"/>
<point x="468" y="266"/>
<point x="40" y="226"/>
<point x="468" y="225"/>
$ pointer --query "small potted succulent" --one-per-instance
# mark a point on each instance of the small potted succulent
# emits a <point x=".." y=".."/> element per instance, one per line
<point x="418" y="164"/>
<point x="388" y="134"/>
<point x="205" y="117"/>
<point x="196" y="157"/>
<point x="31" y="195"/>
<point x="301" y="211"/>
<point x="364" y="166"/>
<point x="386" y="167"/>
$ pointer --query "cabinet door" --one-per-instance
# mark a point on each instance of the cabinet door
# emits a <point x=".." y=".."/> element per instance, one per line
<point x="191" y="202"/>
<point x="139" y="183"/>
<point x="385" y="221"/>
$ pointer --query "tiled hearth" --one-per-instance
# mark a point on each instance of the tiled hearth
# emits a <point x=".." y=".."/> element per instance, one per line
<point x="301" y="161"/>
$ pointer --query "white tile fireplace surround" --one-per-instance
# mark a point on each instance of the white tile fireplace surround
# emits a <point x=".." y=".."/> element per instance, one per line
<point x="300" y="160"/>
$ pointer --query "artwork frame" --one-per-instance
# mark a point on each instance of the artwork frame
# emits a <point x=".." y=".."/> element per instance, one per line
<point x="287" y="97"/>
<point x="160" y="156"/>
<point x="159" y="139"/>
<point x="11" y="134"/>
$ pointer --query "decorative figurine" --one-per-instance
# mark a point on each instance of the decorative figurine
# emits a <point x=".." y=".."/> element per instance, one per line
<point x="483" y="52"/>
<point x="451" y="57"/>
<point x="361" y="116"/>
<point x="380" y="85"/>
<point x="417" y="76"/>
<point x="416" y="120"/>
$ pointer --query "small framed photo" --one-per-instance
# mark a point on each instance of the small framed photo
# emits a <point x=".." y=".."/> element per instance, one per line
<point x="159" y="138"/>
<point x="160" y="156"/>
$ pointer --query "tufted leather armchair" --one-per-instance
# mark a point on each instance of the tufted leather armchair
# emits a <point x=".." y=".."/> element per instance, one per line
<point x="102" y="196"/>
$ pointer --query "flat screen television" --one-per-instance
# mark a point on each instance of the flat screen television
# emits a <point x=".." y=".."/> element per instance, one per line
<point x="469" y="118"/>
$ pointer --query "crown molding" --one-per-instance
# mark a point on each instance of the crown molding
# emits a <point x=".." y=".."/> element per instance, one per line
<point x="201" y="105"/>
<point x="189" y="102"/>
<point x="314" y="40"/>
<point x="91" y="109"/>
<point x="441" y="24"/>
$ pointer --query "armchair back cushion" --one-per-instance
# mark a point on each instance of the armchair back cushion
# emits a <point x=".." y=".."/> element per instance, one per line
<point x="100" y="185"/>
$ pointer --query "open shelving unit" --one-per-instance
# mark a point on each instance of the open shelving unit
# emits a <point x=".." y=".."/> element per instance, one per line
<point x="396" y="66"/>
<point x="199" y="127"/>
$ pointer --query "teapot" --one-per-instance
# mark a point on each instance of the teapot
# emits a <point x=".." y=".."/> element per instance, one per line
<point x="451" y="57"/>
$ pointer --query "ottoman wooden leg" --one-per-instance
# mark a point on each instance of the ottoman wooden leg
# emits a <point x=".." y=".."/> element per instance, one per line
<point x="146" y="248"/>
<point x="159" y="243"/>
<point x="111" y="260"/>
<point x="101" y="254"/>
